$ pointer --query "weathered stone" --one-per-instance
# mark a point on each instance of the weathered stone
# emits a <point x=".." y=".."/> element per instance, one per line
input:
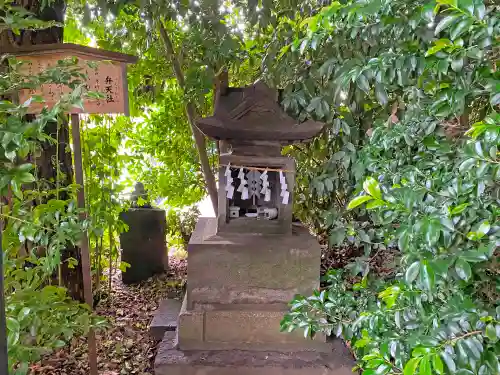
<point x="243" y="328"/>
<point x="191" y="327"/>
<point x="143" y="245"/>
<point x="171" y="361"/>
<point x="165" y="318"/>
<point x="229" y="268"/>
<point x="256" y="330"/>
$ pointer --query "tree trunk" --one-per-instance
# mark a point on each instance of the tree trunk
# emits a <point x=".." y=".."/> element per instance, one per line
<point x="199" y="138"/>
<point x="53" y="175"/>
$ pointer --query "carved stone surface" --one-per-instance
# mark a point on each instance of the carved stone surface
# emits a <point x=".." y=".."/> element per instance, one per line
<point x="143" y="245"/>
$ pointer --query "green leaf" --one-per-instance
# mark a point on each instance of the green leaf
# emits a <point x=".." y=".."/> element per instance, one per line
<point x="475" y="256"/>
<point x="492" y="362"/>
<point x="425" y="366"/>
<point x="463" y="269"/>
<point x="432" y="230"/>
<point x="450" y="363"/>
<point x="363" y="83"/>
<point x="437" y="363"/>
<point x="467" y="165"/>
<point x="460" y="28"/>
<point x="457" y="64"/>
<point x="427" y="276"/>
<point x="374" y="204"/>
<point x="381" y="94"/>
<point x="459" y="209"/>
<point x="358" y="201"/>
<point x="475" y="53"/>
<point x="13" y="329"/>
<point x="59" y="344"/>
<point x="411" y="366"/>
<point x="495" y="99"/>
<point x="412" y="272"/>
<point x="444" y="23"/>
<point x="372" y="187"/>
<point x="23" y="313"/>
<point x="336" y="236"/>
<point x="438" y="46"/>
<point x="468" y="5"/>
<point x="473" y="349"/>
<point x="25" y="178"/>
<point x="404" y="240"/>
<point x="491" y="333"/>
<point x="484" y="228"/>
<point x="480" y="10"/>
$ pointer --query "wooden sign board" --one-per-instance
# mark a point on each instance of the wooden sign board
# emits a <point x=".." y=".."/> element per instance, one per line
<point x="106" y="74"/>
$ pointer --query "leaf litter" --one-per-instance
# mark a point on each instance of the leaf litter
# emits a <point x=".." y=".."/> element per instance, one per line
<point x="125" y="347"/>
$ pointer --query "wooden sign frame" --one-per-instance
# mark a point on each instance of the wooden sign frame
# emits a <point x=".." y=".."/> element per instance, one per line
<point x="108" y="76"/>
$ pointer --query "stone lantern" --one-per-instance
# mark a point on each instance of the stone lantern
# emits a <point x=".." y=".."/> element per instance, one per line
<point x="246" y="265"/>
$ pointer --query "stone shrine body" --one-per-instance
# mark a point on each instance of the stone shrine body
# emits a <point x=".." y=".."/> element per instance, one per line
<point x="246" y="265"/>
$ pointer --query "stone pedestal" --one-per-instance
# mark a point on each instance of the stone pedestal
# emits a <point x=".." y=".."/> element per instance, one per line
<point x="243" y="269"/>
<point x="238" y="289"/>
<point x="143" y="245"/>
<point x="172" y="361"/>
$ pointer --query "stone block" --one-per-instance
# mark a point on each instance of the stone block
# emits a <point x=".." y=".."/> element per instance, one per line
<point x="143" y="245"/>
<point x="232" y="268"/>
<point x="241" y="329"/>
<point x="191" y="327"/>
<point x="165" y="318"/>
<point x="259" y="330"/>
<point x="171" y="361"/>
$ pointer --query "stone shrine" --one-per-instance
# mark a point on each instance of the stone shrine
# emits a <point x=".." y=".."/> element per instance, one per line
<point x="246" y="265"/>
<point x="143" y="244"/>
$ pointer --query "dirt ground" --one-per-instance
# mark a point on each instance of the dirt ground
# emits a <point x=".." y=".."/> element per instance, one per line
<point x="125" y="347"/>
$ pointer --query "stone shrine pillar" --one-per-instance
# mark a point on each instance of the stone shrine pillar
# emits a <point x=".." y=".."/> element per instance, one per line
<point x="246" y="265"/>
<point x="143" y="245"/>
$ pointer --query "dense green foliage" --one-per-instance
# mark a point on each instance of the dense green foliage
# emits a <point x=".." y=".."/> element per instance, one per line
<point x="420" y="74"/>
<point x="37" y="225"/>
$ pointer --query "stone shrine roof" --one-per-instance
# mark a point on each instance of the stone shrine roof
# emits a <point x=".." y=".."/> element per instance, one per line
<point x="252" y="113"/>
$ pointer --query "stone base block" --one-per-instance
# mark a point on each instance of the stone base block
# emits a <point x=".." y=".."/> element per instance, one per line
<point x="244" y="329"/>
<point x="165" y="318"/>
<point x="171" y="361"/>
<point x="229" y="269"/>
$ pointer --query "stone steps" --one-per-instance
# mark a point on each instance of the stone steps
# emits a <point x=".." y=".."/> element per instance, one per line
<point x="172" y="361"/>
<point x="165" y="319"/>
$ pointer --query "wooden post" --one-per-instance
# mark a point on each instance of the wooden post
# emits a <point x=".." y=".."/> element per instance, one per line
<point x="84" y="246"/>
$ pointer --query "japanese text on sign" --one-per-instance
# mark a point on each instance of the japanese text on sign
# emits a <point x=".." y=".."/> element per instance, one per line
<point x="105" y="77"/>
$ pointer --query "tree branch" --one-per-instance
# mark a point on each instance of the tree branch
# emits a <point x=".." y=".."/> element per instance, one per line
<point x="191" y="114"/>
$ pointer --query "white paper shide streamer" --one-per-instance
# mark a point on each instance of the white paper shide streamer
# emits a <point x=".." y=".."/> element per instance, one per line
<point x="254" y="184"/>
<point x="285" y="194"/>
<point x="229" y="182"/>
<point x="266" y="191"/>
<point x="243" y="188"/>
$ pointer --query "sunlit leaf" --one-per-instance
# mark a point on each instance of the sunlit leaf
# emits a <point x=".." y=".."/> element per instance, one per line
<point x="358" y="201"/>
<point x="371" y="186"/>
<point x="463" y="269"/>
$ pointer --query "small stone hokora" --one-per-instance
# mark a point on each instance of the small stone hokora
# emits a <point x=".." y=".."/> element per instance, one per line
<point x="140" y="192"/>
